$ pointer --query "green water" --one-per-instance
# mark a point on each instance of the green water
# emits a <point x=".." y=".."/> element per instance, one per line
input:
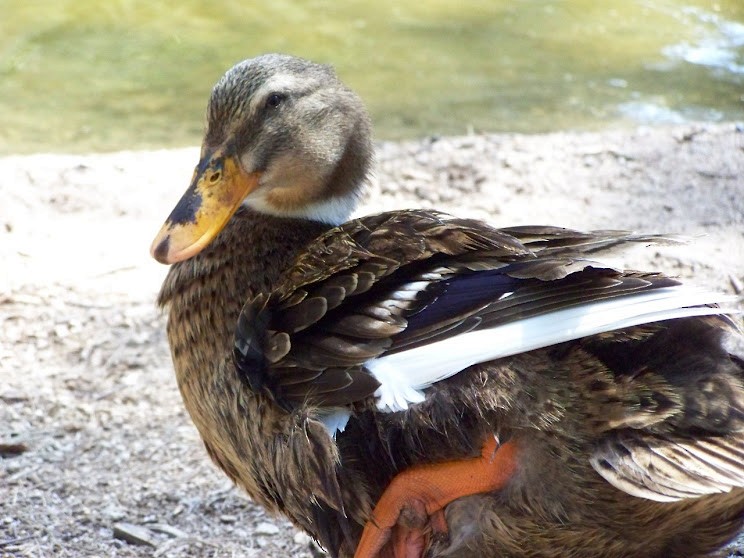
<point x="81" y="75"/>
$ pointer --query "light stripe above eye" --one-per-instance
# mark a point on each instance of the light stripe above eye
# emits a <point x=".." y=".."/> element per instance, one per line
<point x="275" y="84"/>
<point x="404" y="375"/>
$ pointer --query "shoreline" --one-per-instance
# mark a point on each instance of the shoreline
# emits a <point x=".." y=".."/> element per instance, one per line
<point x="682" y="179"/>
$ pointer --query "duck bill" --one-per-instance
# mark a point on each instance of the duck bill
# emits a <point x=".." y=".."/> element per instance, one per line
<point x="218" y="188"/>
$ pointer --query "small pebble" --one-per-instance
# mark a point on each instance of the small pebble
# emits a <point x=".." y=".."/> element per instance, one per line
<point x="13" y="468"/>
<point x="228" y="518"/>
<point x="302" y="539"/>
<point x="266" y="528"/>
<point x="134" y="534"/>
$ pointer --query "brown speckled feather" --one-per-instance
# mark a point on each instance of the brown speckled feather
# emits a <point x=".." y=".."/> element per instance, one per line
<point x="308" y="340"/>
<point x="252" y="441"/>
<point x="637" y="411"/>
<point x="629" y="441"/>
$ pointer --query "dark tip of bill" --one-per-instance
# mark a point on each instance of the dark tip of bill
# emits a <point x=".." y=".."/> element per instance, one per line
<point x="161" y="251"/>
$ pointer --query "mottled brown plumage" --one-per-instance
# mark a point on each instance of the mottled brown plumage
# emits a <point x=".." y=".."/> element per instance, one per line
<point x="630" y="442"/>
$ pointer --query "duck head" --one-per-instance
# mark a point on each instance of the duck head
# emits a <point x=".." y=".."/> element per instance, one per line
<point x="285" y="137"/>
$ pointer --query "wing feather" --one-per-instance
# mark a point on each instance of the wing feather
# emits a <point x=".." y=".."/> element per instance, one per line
<point x="399" y="282"/>
<point x="665" y="469"/>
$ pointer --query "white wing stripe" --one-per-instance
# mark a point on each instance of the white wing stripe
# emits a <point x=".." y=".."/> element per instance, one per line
<point x="403" y="375"/>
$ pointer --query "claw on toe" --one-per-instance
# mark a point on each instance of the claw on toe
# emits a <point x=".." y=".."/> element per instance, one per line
<point x="412" y="506"/>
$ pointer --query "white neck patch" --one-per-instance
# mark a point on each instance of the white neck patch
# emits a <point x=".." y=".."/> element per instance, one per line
<point x="333" y="211"/>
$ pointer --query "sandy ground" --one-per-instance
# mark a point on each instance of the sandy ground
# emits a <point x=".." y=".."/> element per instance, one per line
<point x="98" y="456"/>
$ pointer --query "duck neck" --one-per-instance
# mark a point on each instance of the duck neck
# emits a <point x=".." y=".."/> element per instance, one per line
<point x="204" y="295"/>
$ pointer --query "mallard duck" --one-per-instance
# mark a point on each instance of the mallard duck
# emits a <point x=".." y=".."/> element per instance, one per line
<point x="412" y="384"/>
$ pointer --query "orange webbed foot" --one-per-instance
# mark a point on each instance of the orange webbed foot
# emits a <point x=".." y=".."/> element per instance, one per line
<point x="414" y="501"/>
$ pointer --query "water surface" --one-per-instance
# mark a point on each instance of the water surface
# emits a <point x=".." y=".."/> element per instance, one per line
<point x="82" y="75"/>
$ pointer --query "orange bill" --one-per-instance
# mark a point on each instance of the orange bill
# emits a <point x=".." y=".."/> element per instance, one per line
<point x="218" y="188"/>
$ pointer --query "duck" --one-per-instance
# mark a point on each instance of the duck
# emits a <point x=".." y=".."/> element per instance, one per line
<point x="411" y="384"/>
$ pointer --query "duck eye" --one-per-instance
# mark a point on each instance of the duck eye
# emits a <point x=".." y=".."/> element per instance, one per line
<point x="274" y="100"/>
